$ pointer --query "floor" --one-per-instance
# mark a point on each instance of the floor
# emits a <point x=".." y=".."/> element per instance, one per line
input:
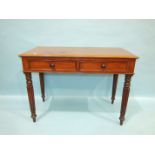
<point x="76" y="115"/>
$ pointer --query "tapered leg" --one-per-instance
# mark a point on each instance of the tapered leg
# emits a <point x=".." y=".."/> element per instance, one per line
<point x="31" y="95"/>
<point x="41" y="76"/>
<point x="126" y="91"/>
<point x="114" y="87"/>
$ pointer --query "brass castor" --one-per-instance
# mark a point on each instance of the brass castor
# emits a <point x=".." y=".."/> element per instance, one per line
<point x="121" y="121"/>
<point x="34" y="117"/>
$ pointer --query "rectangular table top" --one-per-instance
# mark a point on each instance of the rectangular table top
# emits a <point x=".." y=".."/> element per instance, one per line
<point x="92" y="52"/>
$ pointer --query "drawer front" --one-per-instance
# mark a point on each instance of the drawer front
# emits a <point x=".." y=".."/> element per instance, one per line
<point x="124" y="66"/>
<point x="106" y="67"/>
<point x="51" y="66"/>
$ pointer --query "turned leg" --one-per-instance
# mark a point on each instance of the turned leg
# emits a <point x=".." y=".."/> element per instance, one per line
<point x="114" y="87"/>
<point x="125" y="96"/>
<point x="41" y="77"/>
<point x="31" y="95"/>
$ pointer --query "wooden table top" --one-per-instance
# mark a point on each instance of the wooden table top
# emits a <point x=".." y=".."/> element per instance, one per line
<point x="95" y="52"/>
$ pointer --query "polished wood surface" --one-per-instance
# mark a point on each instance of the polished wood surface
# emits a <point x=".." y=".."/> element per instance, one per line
<point x="30" y="92"/>
<point x="79" y="60"/>
<point x="42" y="86"/>
<point x="114" y="87"/>
<point x="94" y="52"/>
<point x="125" y="96"/>
<point x="83" y="65"/>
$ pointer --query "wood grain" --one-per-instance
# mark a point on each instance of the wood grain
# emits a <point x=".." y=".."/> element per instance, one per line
<point x="30" y="92"/>
<point x="79" y="60"/>
<point x="76" y="65"/>
<point x="42" y="85"/>
<point x="78" y="52"/>
<point x="114" y="87"/>
<point x="125" y="96"/>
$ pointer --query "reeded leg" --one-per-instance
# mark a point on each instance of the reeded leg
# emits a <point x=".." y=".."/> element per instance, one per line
<point x="31" y="95"/>
<point x="125" y="96"/>
<point x="114" y="87"/>
<point x="41" y="77"/>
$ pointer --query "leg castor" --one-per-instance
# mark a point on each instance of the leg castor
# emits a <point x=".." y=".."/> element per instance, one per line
<point x="34" y="117"/>
<point x="121" y="121"/>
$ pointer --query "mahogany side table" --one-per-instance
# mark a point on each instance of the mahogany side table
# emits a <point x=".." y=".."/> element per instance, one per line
<point x="79" y="60"/>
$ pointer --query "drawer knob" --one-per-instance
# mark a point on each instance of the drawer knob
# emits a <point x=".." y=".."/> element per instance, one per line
<point x="103" y="66"/>
<point x="52" y="66"/>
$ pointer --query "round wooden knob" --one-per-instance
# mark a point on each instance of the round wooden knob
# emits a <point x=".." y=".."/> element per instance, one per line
<point x="52" y="66"/>
<point x="103" y="66"/>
